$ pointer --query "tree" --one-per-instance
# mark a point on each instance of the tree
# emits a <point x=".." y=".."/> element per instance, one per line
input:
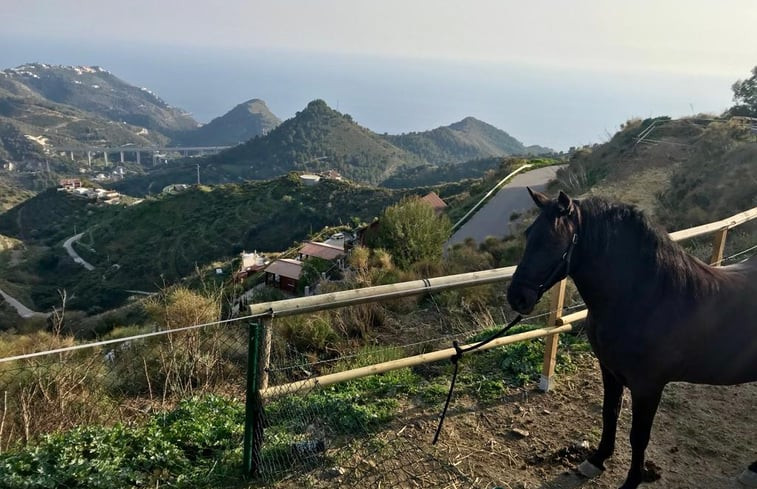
<point x="745" y="96"/>
<point x="411" y="231"/>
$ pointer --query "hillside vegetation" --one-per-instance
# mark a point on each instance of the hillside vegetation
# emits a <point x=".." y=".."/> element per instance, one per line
<point x="97" y="91"/>
<point x="468" y="139"/>
<point x="686" y="172"/>
<point x="319" y="138"/>
<point x="425" y="175"/>
<point x="161" y="240"/>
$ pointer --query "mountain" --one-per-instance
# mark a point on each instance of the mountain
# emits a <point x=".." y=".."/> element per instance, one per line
<point x="466" y="140"/>
<point x="245" y="121"/>
<point x="318" y="138"/>
<point x="97" y="91"/>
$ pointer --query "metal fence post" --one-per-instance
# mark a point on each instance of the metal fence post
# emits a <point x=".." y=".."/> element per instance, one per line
<point x="253" y="416"/>
<point x="547" y="381"/>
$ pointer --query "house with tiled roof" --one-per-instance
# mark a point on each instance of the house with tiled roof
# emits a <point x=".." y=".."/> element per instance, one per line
<point x="284" y="274"/>
<point x="434" y="201"/>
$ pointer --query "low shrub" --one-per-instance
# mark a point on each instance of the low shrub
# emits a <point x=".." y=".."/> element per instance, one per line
<point x="172" y="448"/>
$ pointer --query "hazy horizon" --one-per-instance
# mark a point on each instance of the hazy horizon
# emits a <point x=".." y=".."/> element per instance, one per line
<point x="548" y="74"/>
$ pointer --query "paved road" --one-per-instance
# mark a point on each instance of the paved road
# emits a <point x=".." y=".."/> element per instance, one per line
<point x="73" y="254"/>
<point x="22" y="310"/>
<point x="493" y="219"/>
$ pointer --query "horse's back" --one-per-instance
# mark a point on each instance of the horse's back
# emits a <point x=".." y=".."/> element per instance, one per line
<point x="720" y="335"/>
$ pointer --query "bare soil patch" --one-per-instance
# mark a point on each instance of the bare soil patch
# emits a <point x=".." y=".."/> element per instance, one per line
<point x="703" y="437"/>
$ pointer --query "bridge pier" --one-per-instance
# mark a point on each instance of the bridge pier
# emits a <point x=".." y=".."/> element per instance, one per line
<point x="105" y="156"/>
<point x="72" y="156"/>
<point x="139" y="159"/>
<point x="122" y="156"/>
<point x="89" y="158"/>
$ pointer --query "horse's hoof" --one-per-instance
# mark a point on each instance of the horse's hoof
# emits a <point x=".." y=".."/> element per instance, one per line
<point x="589" y="470"/>
<point x="748" y="478"/>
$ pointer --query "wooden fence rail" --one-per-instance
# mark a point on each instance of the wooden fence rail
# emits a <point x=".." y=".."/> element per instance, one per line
<point x="556" y="324"/>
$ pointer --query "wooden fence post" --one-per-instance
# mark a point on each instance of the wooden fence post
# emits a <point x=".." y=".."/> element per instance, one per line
<point x="264" y="354"/>
<point x="718" y="245"/>
<point x="557" y="299"/>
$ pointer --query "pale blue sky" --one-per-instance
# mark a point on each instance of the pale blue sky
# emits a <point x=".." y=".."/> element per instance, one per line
<point x="549" y="72"/>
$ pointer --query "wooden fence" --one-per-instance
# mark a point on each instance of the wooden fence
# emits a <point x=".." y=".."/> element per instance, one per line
<point x="557" y="323"/>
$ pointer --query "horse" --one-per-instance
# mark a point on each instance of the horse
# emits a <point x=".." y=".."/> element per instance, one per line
<point x="655" y="313"/>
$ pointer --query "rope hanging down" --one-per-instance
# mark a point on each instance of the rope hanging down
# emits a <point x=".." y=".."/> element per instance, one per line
<point x="456" y="361"/>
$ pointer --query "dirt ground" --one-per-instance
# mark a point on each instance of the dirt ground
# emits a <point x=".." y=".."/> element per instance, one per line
<point x="703" y="437"/>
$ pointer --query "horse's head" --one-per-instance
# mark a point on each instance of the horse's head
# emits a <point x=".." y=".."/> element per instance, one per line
<point x="549" y="246"/>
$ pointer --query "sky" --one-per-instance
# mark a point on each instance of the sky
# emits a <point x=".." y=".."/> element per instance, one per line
<point x="557" y="73"/>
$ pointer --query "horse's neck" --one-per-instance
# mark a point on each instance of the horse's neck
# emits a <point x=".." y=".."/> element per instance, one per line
<point x="614" y="269"/>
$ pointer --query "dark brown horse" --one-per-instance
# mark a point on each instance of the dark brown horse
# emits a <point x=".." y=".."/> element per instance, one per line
<point x="655" y="314"/>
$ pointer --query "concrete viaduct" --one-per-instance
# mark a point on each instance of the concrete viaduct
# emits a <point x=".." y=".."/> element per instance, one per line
<point x="155" y="151"/>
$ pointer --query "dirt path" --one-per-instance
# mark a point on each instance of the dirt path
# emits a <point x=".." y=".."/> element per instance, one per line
<point x="703" y="437"/>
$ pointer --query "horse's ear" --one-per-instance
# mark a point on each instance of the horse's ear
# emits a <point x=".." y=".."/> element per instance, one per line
<point x="540" y="199"/>
<point x="565" y="203"/>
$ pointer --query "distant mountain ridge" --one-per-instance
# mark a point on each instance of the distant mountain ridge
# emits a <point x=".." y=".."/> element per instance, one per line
<point x="32" y="121"/>
<point x="319" y="138"/>
<point x="461" y="141"/>
<point x="94" y="89"/>
<point x="44" y="106"/>
<point x="89" y="106"/>
<point x="245" y="121"/>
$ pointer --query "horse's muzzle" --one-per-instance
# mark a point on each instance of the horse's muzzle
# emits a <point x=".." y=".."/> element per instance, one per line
<point x="522" y="299"/>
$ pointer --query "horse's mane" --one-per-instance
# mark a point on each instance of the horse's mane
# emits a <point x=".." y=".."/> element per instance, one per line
<point x="662" y="258"/>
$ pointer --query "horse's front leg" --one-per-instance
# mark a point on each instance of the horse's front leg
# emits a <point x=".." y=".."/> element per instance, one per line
<point x="644" y="406"/>
<point x="613" y="393"/>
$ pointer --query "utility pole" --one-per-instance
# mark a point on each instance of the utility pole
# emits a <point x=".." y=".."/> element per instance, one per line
<point x="198" y="174"/>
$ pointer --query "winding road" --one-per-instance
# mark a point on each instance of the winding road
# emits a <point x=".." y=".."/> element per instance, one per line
<point x="21" y="309"/>
<point x="68" y="245"/>
<point x="493" y="219"/>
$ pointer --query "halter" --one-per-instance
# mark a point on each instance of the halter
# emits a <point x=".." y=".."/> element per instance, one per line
<point x="566" y="258"/>
<point x="556" y="271"/>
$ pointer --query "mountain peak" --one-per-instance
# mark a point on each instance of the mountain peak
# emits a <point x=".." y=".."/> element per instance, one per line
<point x="467" y="123"/>
<point x="318" y="138"/>
<point x="252" y="106"/>
<point x="318" y="104"/>
<point x="245" y="121"/>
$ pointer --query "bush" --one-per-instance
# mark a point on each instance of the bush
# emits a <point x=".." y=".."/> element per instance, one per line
<point x="411" y="231"/>
<point x="172" y="448"/>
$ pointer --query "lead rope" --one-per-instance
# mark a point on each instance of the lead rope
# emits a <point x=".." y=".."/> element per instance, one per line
<point x="456" y="361"/>
<point x="566" y="258"/>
